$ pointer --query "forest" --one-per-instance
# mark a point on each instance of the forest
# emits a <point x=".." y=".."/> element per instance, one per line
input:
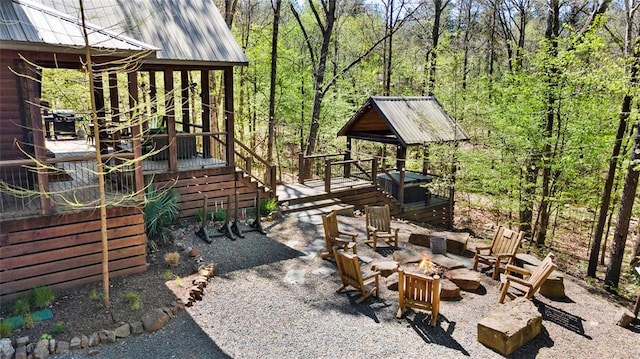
<point x="546" y="91"/>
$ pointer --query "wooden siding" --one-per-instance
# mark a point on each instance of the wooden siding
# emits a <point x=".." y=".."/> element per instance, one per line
<point x="11" y="122"/>
<point x="64" y="251"/>
<point x="217" y="184"/>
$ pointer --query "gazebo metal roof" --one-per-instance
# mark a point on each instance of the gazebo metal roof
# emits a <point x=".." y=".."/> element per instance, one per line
<point x="404" y="121"/>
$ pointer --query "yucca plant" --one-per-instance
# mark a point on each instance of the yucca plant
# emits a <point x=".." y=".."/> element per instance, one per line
<point x="160" y="212"/>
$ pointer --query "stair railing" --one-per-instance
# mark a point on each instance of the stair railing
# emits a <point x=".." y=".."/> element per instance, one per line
<point x="253" y="164"/>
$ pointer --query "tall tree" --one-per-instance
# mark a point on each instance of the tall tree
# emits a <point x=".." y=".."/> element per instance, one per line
<point x="623" y="120"/>
<point x="438" y="7"/>
<point x="272" y="79"/>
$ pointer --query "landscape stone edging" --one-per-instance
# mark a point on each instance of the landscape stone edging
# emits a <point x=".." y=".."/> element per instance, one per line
<point x="45" y="347"/>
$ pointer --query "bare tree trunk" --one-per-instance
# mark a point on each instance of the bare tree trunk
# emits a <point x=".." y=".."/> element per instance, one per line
<point x="612" y="277"/>
<point x="272" y="85"/>
<point x="435" y="37"/>
<point x="100" y="169"/>
<point x="625" y="110"/>
<point x="388" y="46"/>
<point x="551" y="35"/>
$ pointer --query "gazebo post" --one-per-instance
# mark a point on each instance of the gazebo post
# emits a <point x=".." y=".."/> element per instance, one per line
<point x="401" y="162"/>
<point x="347" y="157"/>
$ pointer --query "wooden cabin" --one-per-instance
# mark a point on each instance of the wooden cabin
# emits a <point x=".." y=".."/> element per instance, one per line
<point x="160" y="70"/>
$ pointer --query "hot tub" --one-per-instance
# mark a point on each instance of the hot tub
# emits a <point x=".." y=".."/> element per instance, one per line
<point x="413" y="189"/>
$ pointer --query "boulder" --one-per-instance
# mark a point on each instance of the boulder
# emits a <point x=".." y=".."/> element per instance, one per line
<point x="137" y="328"/>
<point x="62" y="347"/>
<point x="75" y="343"/>
<point x="386" y="268"/>
<point x="510" y="326"/>
<point x="464" y="278"/>
<point x="21" y="352"/>
<point x="446" y="262"/>
<point x="407" y="255"/>
<point x="123" y="331"/>
<point x="456" y="241"/>
<point x="154" y="320"/>
<point x="449" y="290"/>
<point x="624" y="317"/>
<point x="6" y="349"/>
<point x="84" y="341"/>
<point x="94" y="339"/>
<point x="41" y="350"/>
<point x="22" y="341"/>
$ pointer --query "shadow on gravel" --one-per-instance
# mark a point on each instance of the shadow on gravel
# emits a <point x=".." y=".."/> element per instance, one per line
<point x="531" y="349"/>
<point x="438" y="334"/>
<point x="252" y="251"/>
<point x="562" y="318"/>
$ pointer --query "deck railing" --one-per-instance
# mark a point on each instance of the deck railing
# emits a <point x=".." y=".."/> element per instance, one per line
<point x="71" y="182"/>
<point x="252" y="163"/>
<point x="335" y="171"/>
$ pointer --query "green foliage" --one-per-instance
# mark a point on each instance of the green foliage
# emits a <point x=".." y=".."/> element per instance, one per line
<point x="217" y="216"/>
<point x="21" y="307"/>
<point x="59" y="328"/>
<point x="29" y="321"/>
<point x="5" y="329"/>
<point x="268" y="206"/>
<point x="42" y="296"/>
<point x="133" y="298"/>
<point x="167" y="274"/>
<point x="46" y="336"/>
<point x="160" y="212"/>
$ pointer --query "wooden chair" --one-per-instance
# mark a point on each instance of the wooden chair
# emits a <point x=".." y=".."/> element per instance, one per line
<point x="501" y="252"/>
<point x="531" y="281"/>
<point x="419" y="292"/>
<point x="332" y="236"/>
<point x="351" y="275"/>
<point x="378" y="220"/>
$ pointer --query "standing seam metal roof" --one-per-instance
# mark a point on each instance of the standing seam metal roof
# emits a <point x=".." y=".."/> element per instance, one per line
<point x="184" y="30"/>
<point x="413" y="120"/>
<point x="30" y="22"/>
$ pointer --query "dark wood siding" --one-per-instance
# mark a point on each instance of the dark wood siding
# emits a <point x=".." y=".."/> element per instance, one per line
<point x="63" y="251"/>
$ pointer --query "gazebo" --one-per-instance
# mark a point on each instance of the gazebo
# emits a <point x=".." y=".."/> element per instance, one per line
<point x="406" y="122"/>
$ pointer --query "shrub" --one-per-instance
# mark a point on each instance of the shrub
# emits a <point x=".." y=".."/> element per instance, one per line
<point x="42" y="297"/>
<point x="29" y="321"/>
<point x="172" y="259"/>
<point x="220" y="215"/>
<point x="21" y="307"/>
<point x="5" y="329"/>
<point x="160" y="212"/>
<point x="46" y="336"/>
<point x="134" y="300"/>
<point x="268" y="206"/>
<point x="59" y="328"/>
<point x="167" y="274"/>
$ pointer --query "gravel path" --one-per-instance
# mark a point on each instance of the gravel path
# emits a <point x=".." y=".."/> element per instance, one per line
<point x="274" y="297"/>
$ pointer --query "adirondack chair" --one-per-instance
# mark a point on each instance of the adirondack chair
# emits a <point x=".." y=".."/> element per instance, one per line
<point x="378" y="220"/>
<point x="351" y="275"/>
<point x="501" y="252"/>
<point x="419" y="292"/>
<point x="531" y="281"/>
<point x="332" y="236"/>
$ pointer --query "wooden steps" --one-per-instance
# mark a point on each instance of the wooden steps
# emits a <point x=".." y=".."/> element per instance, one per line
<point x="318" y="207"/>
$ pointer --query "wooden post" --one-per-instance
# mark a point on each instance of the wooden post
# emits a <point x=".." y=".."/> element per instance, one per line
<point x="136" y="133"/>
<point x="401" y="188"/>
<point x="374" y="170"/>
<point x="184" y="84"/>
<point x="347" y="157"/>
<point x="100" y="113"/>
<point x="229" y="116"/>
<point x="153" y="97"/>
<point x="425" y="159"/>
<point x="272" y="178"/>
<point x="30" y="93"/>
<point x="301" y="171"/>
<point x="171" y="120"/>
<point x="206" y="112"/>
<point x="327" y="176"/>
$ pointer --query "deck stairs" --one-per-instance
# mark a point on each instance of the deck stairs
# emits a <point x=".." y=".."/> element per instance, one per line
<point x="295" y="199"/>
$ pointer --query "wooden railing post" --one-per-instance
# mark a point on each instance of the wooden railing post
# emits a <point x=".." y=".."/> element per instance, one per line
<point x="272" y="176"/>
<point x="301" y="168"/>
<point x="327" y="176"/>
<point x="374" y="170"/>
<point x="247" y="163"/>
<point x="401" y="188"/>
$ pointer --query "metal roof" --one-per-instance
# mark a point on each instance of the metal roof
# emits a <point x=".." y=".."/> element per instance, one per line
<point x="26" y="22"/>
<point x="191" y="31"/>
<point x="405" y="121"/>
